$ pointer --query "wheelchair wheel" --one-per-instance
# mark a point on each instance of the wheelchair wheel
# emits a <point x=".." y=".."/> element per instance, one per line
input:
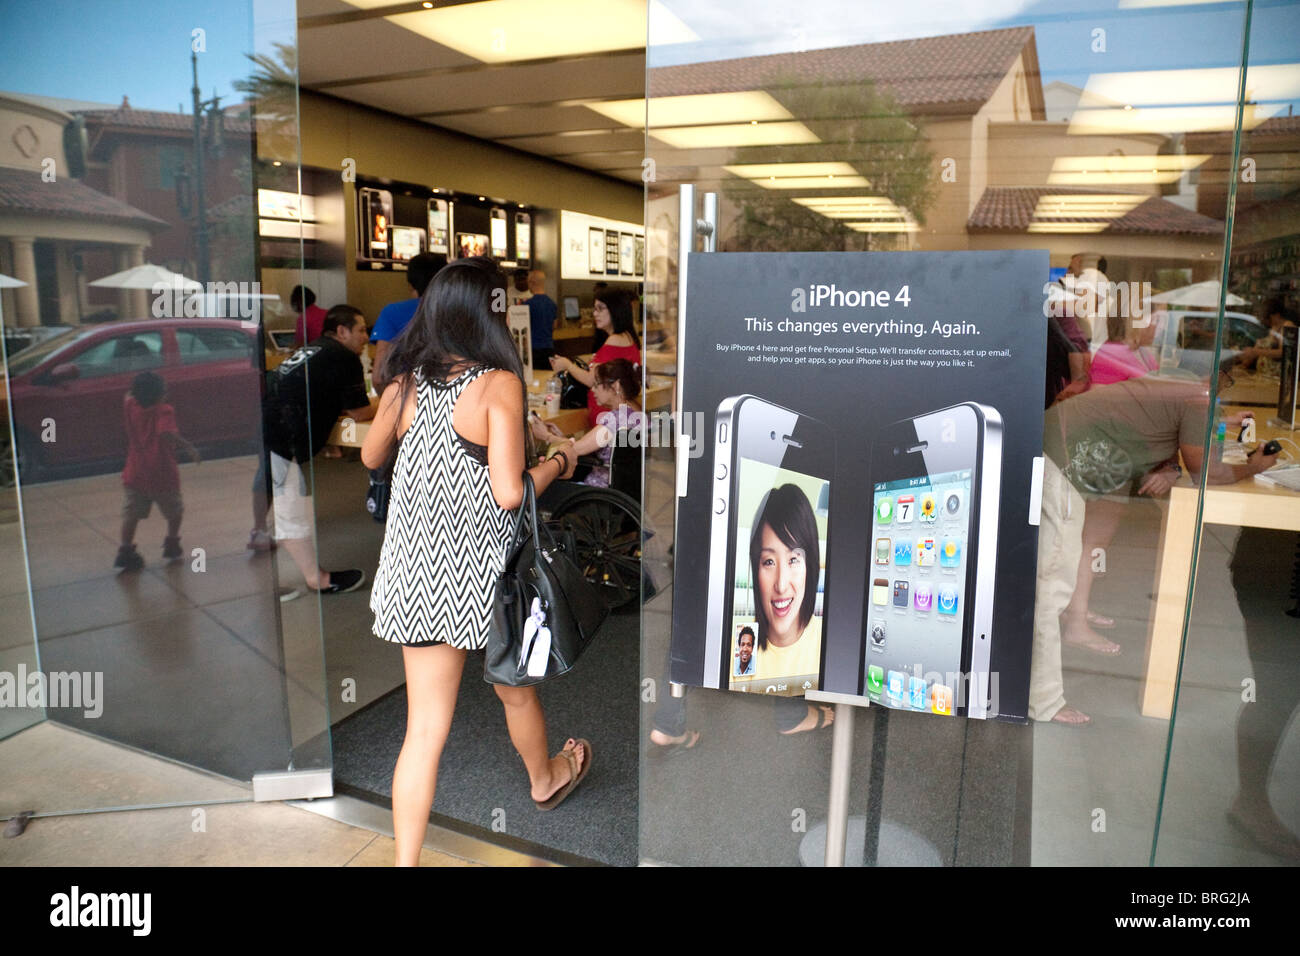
<point x="606" y="528"/>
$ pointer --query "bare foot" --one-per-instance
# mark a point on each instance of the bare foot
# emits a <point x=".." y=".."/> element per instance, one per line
<point x="686" y="740"/>
<point x="559" y="774"/>
<point x="1072" y="717"/>
<point x="1100" y="620"/>
<point x="826" y="713"/>
<point x="1089" y="640"/>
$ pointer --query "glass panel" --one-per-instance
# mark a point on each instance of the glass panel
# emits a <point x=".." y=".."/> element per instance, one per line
<point x="135" y="367"/>
<point x="1063" y="128"/>
<point x="1234" y="757"/>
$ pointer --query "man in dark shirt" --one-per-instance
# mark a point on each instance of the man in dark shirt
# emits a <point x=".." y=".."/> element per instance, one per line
<point x="305" y="396"/>
<point x="541" y="320"/>
<point x="396" y="316"/>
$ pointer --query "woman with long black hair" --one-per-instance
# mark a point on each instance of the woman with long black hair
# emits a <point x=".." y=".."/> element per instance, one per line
<point x="456" y="403"/>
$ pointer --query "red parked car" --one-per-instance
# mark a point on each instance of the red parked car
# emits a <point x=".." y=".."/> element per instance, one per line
<point x="71" y="388"/>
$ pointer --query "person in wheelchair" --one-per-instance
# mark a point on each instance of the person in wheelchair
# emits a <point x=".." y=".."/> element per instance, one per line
<point x="618" y="388"/>
<point x="600" y="510"/>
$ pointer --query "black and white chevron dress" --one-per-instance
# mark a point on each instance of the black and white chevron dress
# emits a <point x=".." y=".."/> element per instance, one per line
<point x="445" y="540"/>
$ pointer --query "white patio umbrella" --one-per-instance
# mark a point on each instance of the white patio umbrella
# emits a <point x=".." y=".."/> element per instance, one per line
<point x="148" y="276"/>
<point x="7" y="282"/>
<point x="1203" y="295"/>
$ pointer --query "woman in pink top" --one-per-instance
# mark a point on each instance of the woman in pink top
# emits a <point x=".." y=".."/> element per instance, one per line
<point x="1126" y="353"/>
<point x="613" y="315"/>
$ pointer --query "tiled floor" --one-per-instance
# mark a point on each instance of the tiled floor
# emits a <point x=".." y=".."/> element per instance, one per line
<point x="225" y="830"/>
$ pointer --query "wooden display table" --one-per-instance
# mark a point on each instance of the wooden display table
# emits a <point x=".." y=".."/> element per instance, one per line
<point x="1247" y="503"/>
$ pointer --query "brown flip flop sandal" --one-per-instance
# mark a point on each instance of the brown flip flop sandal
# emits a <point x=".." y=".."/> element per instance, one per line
<point x="575" y="775"/>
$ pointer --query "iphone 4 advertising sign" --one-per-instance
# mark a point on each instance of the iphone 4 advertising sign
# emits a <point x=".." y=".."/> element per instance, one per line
<point x="860" y="517"/>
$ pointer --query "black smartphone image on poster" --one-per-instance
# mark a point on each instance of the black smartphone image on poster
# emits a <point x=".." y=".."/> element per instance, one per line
<point x="376" y="220"/>
<point x="523" y="239"/>
<point x="611" y="252"/>
<point x="498" y="233"/>
<point x="596" y="250"/>
<point x="935" y="482"/>
<point x="438" y="226"/>
<point x="768" y="548"/>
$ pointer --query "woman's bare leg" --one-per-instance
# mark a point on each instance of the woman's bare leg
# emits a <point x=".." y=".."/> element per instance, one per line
<point x="432" y="682"/>
<point x="527" y="724"/>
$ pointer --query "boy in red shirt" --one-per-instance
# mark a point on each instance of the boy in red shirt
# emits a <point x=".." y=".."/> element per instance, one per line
<point x="151" y="475"/>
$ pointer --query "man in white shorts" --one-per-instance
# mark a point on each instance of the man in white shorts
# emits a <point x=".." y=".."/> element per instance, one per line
<point x="297" y="421"/>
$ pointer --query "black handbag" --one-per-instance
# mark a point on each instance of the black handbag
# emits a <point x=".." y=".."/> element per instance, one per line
<point x="378" y="492"/>
<point x="573" y="394"/>
<point x="545" y="613"/>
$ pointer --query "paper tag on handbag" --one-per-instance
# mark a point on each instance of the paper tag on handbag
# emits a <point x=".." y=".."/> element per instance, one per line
<point x="535" y="647"/>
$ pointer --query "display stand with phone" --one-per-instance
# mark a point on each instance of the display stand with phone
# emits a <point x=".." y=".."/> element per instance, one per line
<point x="817" y="848"/>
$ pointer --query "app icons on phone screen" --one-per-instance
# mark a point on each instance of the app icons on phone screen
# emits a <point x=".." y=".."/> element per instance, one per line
<point x="916" y="693"/>
<point x="924" y="596"/>
<point x="950" y="553"/>
<point x="882" y="550"/>
<point x="894" y="685"/>
<point x="880" y="591"/>
<point x="884" y="510"/>
<point x="902" y="552"/>
<point x="901" y="589"/>
<point x="906" y="508"/>
<point x="947" y="599"/>
<point x="941" y="699"/>
<point x="926" y="553"/>
<point x="929" y="509"/>
<point x="875" y="679"/>
<point x="952" y="503"/>
<point x="878" y="635"/>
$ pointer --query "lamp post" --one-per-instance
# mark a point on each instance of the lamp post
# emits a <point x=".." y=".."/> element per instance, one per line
<point x="213" y="108"/>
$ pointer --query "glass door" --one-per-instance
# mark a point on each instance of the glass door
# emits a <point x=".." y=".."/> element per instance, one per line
<point x="147" y="658"/>
<point x="1100" y="138"/>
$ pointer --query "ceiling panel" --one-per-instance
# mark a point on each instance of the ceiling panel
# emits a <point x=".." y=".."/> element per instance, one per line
<point x="537" y="121"/>
<point x="365" y="48"/>
<point x="495" y="86"/>
<point x="535" y="107"/>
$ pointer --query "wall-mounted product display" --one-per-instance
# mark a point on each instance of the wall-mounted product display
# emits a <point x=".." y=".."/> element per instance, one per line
<point x="439" y="226"/>
<point x="375" y="212"/>
<point x="858" y="512"/>
<point x="498" y="234"/>
<point x="523" y="239"/>
<point x="285" y="215"/>
<point x="397" y="221"/>
<point x="600" y="249"/>
<point x="471" y="244"/>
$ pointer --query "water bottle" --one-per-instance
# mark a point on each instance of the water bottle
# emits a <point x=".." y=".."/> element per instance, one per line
<point x="553" y="391"/>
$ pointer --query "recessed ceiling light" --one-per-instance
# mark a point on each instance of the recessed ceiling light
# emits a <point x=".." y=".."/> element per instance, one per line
<point x="727" y="135"/>
<point x="481" y="198"/>
<point x="501" y="31"/>
<point x="692" y="109"/>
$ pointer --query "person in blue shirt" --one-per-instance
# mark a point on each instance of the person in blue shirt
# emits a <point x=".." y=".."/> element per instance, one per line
<point x="395" y="316"/>
<point x="541" y="318"/>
